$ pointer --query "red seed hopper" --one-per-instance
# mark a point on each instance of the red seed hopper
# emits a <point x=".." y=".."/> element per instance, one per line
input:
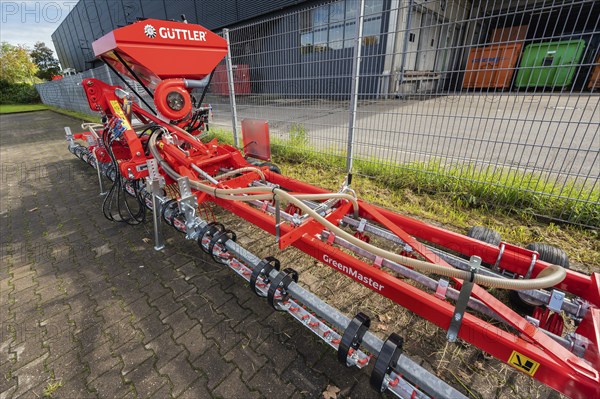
<point x="155" y="50"/>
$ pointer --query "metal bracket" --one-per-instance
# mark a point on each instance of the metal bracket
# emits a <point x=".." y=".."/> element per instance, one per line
<point x="556" y="301"/>
<point x="463" y="300"/>
<point x="361" y="225"/>
<point x="277" y="219"/>
<point x="442" y="288"/>
<point x="531" y="265"/>
<point x="188" y="205"/>
<point x="497" y="263"/>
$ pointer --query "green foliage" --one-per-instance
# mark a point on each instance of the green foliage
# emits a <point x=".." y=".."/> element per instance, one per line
<point x="43" y="57"/>
<point x="16" y="65"/>
<point x="76" y="115"/>
<point x="15" y="108"/>
<point x="18" y="93"/>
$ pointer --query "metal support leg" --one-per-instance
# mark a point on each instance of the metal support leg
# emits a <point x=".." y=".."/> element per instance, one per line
<point x="155" y="183"/>
<point x="69" y="136"/>
<point x="102" y="192"/>
<point x="277" y="219"/>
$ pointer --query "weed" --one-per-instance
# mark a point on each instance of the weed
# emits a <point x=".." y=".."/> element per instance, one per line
<point x="51" y="388"/>
<point x="297" y="135"/>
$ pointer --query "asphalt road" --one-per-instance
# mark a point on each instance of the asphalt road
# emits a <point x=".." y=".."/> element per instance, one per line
<point x="557" y="135"/>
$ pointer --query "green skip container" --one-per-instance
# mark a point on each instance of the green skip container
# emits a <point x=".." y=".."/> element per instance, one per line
<point x="551" y="64"/>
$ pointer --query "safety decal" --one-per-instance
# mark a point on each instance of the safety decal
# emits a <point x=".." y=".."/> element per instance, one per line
<point x="523" y="363"/>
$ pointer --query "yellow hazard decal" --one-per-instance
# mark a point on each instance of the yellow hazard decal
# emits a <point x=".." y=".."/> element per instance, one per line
<point x="119" y="112"/>
<point x="523" y="363"/>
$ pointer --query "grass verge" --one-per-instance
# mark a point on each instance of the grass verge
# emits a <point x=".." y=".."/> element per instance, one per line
<point x="522" y="193"/>
<point x="75" y="114"/>
<point x="18" y="108"/>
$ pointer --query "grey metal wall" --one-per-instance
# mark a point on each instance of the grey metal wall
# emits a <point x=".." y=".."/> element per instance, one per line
<point x="91" y="19"/>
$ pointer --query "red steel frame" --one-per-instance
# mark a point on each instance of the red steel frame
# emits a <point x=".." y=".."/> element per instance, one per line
<point x="558" y="368"/>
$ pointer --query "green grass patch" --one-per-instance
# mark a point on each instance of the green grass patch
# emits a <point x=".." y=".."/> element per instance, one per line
<point x="17" y="108"/>
<point x="524" y="193"/>
<point x="75" y="114"/>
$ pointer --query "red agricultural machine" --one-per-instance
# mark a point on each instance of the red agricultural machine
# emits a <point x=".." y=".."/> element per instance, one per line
<point x="158" y="160"/>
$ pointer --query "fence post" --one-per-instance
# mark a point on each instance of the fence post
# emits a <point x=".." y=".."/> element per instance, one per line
<point x="354" y="89"/>
<point x="405" y="44"/>
<point x="108" y="74"/>
<point x="234" y="119"/>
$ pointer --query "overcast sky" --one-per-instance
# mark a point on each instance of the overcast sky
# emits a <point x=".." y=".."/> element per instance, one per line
<point x="27" y="21"/>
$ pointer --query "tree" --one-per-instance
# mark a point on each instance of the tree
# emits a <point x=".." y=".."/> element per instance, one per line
<point x="44" y="59"/>
<point x="15" y="64"/>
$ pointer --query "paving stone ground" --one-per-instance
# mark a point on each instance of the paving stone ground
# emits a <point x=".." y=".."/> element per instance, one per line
<point x="89" y="308"/>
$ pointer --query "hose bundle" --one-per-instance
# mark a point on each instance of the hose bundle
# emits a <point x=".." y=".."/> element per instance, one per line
<point x="549" y="277"/>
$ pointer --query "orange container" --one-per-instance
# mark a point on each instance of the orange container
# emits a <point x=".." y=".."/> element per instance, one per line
<point x="491" y="66"/>
<point x="594" y="82"/>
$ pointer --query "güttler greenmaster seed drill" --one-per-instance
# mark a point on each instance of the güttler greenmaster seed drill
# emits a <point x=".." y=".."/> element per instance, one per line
<point x="158" y="157"/>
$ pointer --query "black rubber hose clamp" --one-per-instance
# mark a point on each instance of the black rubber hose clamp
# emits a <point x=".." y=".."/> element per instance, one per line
<point x="211" y="229"/>
<point x="220" y="238"/>
<point x="386" y="361"/>
<point x="264" y="267"/>
<point x="353" y="336"/>
<point x="282" y="281"/>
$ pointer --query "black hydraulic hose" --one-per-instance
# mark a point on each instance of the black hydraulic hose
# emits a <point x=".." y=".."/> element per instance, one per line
<point x="130" y="87"/>
<point x="206" y="88"/>
<point x="132" y="72"/>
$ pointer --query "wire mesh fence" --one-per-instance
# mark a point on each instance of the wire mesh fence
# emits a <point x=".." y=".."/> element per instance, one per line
<point x="491" y="101"/>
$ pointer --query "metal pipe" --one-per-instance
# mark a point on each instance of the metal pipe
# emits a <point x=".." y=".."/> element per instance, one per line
<point x="355" y="85"/>
<point x="405" y="44"/>
<point x="204" y="174"/>
<point x="230" y="81"/>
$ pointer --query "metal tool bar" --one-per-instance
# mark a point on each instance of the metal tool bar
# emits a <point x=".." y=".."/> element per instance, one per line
<point x="405" y="367"/>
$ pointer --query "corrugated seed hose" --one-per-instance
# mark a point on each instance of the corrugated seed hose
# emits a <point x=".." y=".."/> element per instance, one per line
<point x="549" y="277"/>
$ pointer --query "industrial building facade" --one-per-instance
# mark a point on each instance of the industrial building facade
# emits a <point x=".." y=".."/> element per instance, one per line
<point x="294" y="47"/>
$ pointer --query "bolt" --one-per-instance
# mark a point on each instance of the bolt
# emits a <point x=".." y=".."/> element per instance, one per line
<point x="138" y="153"/>
<point x="457" y="316"/>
